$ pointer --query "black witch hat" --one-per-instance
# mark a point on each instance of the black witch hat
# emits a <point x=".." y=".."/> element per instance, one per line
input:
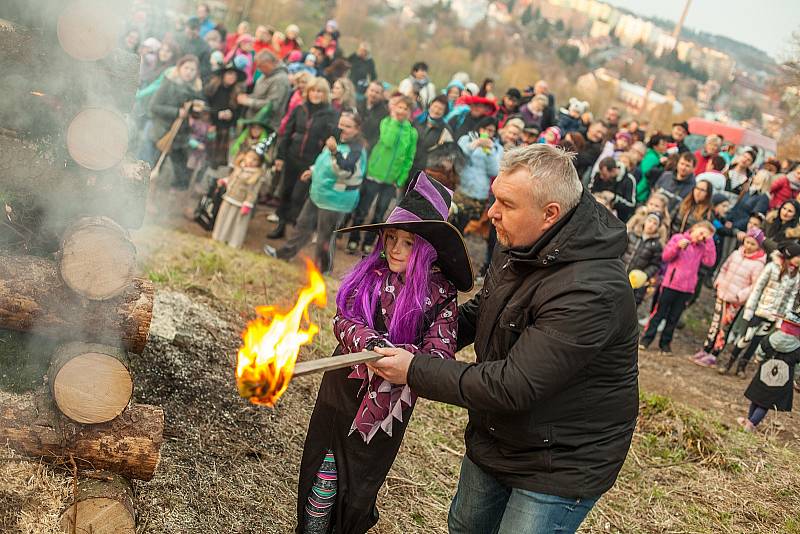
<point x="423" y="211"/>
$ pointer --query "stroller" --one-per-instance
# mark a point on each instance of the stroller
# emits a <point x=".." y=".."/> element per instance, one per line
<point x="205" y="214"/>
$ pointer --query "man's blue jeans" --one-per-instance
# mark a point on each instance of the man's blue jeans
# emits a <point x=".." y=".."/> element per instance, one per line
<point x="484" y="506"/>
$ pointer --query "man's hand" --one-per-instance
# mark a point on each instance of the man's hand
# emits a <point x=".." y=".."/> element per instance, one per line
<point x="278" y="165"/>
<point x="393" y="366"/>
<point x="330" y="143"/>
<point x="306" y="176"/>
<point x="243" y="100"/>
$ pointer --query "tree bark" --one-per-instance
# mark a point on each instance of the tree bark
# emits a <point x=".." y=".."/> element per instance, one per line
<point x="34" y="299"/>
<point x="89" y="382"/>
<point x="128" y="445"/>
<point x="104" y="506"/>
<point x="34" y="177"/>
<point x="97" y="258"/>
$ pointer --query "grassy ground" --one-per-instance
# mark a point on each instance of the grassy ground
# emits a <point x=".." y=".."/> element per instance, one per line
<point x="687" y="470"/>
<point x="228" y="466"/>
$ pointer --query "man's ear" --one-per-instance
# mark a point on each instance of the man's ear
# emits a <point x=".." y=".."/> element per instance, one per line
<point x="552" y="213"/>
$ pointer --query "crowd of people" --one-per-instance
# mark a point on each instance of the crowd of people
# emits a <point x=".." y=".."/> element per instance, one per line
<point x="318" y="135"/>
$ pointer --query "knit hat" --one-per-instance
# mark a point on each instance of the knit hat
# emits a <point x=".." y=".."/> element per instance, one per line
<point x="790" y="250"/>
<point x="718" y="199"/>
<point x="655" y="215"/>
<point x="513" y="92"/>
<point x="622" y="134"/>
<point x="757" y="234"/>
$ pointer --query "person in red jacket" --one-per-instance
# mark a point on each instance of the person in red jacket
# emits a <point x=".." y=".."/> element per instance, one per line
<point x="703" y="156"/>
<point x="785" y="187"/>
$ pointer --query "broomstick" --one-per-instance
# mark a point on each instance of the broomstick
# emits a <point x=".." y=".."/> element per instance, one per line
<point x="165" y="143"/>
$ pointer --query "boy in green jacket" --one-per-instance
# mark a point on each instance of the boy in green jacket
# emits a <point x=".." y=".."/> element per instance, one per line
<point x="387" y="169"/>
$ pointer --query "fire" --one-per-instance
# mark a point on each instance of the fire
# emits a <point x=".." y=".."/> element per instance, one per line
<point x="272" y="341"/>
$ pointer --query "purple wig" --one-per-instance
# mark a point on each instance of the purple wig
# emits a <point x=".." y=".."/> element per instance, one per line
<point x="360" y="291"/>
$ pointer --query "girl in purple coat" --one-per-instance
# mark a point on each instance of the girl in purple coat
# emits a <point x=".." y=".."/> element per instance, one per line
<point x="683" y="256"/>
<point x="401" y="294"/>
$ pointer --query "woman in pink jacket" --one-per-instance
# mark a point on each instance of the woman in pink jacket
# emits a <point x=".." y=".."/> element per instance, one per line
<point x="734" y="283"/>
<point x="683" y="255"/>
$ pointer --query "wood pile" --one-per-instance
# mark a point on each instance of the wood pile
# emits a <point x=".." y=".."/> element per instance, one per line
<point x="69" y="193"/>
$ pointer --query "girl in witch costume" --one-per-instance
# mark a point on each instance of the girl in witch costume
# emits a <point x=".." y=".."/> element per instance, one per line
<point x="401" y="294"/>
<point x="771" y="386"/>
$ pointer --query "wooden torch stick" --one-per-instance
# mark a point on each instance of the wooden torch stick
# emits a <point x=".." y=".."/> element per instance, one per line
<point x="334" y="362"/>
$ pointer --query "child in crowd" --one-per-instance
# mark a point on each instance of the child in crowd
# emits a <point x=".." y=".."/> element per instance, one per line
<point x="775" y="288"/>
<point x="402" y="294"/>
<point x="387" y="168"/>
<point x="254" y="131"/>
<point x="335" y="178"/>
<point x="201" y="133"/>
<point x="735" y="282"/>
<point x="771" y="386"/>
<point x="683" y="255"/>
<point x="237" y="204"/>
<point x="645" y="246"/>
<point x="657" y="203"/>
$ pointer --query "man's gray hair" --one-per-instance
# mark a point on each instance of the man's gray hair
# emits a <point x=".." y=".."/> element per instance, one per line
<point x="265" y="56"/>
<point x="551" y="172"/>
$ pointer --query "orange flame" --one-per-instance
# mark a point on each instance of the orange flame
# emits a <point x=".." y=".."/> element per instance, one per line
<point x="272" y="341"/>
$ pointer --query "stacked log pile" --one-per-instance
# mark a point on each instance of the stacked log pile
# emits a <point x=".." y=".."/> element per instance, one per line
<point x="69" y="193"/>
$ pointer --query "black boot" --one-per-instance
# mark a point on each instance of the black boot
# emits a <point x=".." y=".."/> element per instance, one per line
<point x="740" y="368"/>
<point x="279" y="231"/>
<point x="725" y="366"/>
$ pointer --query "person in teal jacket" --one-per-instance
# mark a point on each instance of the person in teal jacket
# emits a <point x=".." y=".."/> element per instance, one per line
<point x="656" y="149"/>
<point x="387" y="170"/>
<point x="336" y="177"/>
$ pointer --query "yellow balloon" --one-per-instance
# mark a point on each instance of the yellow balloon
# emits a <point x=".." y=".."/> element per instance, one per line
<point x="637" y="278"/>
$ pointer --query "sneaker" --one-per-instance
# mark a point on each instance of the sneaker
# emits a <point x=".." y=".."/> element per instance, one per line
<point x="707" y="360"/>
<point x="644" y="346"/>
<point x="273" y="218"/>
<point x="270" y="251"/>
<point x="352" y="247"/>
<point x="741" y="374"/>
<point x="665" y="351"/>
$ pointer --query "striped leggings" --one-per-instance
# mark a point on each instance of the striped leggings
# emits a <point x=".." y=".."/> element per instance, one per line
<point x="319" y="507"/>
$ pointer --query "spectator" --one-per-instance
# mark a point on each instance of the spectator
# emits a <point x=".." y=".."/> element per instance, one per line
<point x="271" y="89"/>
<point x="595" y="140"/>
<point x="453" y="92"/>
<point x="373" y="110"/>
<point x="362" y="68"/>
<point x="387" y="168"/>
<point x="222" y="91"/>
<point x="242" y="54"/>
<point x="263" y="39"/>
<point x="710" y="149"/>
<point x="533" y="112"/>
<point x="486" y="89"/>
<point x="683" y="255"/>
<point x="180" y="86"/>
<point x="511" y="134"/>
<point x="611" y="121"/>
<point x="695" y="208"/>
<point x="300" y="81"/>
<point x="753" y="199"/>
<point x="677" y="184"/>
<point x="679" y="132"/>
<point x="309" y="126"/>
<point x="714" y="173"/>
<point x="432" y="131"/>
<point x="612" y="149"/>
<point x="464" y="122"/>
<point x="191" y="43"/>
<point x="509" y="106"/>
<point x="652" y="166"/>
<point x="483" y="154"/>
<point x="291" y="41"/>
<point x="645" y="244"/>
<point x="781" y="225"/>
<point x="204" y="17"/>
<point x="336" y="177"/>
<point x="541" y="88"/>
<point x="131" y="41"/>
<point x="613" y="177"/>
<point x="656" y="203"/>
<point x="240" y="197"/>
<point x="418" y="86"/>
<point x="241" y="29"/>
<point x="785" y="187"/>
<point x="343" y="95"/>
<point x="569" y="119"/>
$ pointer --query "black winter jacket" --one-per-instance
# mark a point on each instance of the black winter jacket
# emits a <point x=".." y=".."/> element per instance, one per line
<point x="371" y="121"/>
<point x="643" y="254"/>
<point x="553" y="397"/>
<point x="306" y="131"/>
<point x="624" y="189"/>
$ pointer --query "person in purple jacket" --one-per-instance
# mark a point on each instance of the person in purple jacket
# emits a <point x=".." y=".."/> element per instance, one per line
<point x="683" y="255"/>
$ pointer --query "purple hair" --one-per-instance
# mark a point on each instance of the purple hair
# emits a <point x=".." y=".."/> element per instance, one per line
<point x="360" y="291"/>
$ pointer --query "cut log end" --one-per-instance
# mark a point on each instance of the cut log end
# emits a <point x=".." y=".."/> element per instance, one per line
<point x="104" y="505"/>
<point x="90" y="383"/>
<point x="98" y="259"/>
<point x="97" y="138"/>
<point x="89" y="30"/>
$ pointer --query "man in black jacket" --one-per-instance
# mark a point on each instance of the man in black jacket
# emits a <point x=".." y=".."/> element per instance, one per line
<point x="553" y="396"/>
<point x="362" y="68"/>
<point x="595" y="141"/>
<point x="372" y="109"/>
<point x="612" y="176"/>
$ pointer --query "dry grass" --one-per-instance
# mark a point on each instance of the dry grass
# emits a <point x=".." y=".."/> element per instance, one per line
<point x="231" y="467"/>
<point x="32" y="496"/>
